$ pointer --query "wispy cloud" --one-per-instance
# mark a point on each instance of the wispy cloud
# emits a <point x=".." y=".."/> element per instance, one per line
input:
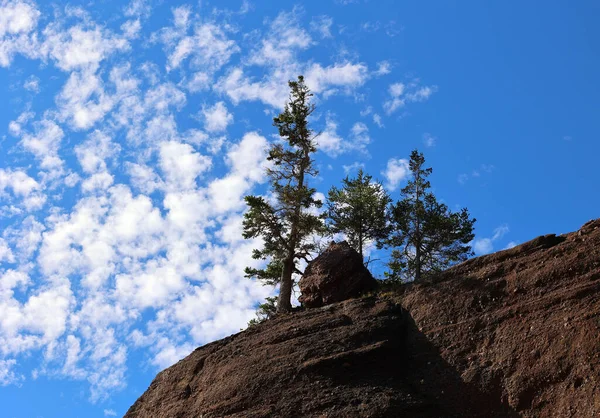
<point x="483" y="246"/>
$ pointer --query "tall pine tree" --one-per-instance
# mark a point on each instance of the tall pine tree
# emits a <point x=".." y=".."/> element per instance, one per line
<point x="286" y="223"/>
<point x="427" y="236"/>
<point x="358" y="210"/>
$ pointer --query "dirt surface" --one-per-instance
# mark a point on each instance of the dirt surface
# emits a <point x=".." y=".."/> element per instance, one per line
<point x="515" y="333"/>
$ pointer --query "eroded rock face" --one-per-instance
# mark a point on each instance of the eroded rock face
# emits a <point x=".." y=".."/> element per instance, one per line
<point x="523" y="324"/>
<point x="334" y="276"/>
<point x="510" y="334"/>
<point x="359" y="358"/>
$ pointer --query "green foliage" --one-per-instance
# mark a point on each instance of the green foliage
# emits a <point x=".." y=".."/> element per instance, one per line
<point x="286" y="223"/>
<point x="358" y="210"/>
<point x="427" y="237"/>
<point x="265" y="311"/>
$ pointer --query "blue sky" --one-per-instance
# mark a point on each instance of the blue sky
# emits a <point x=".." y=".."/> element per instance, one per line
<point x="129" y="134"/>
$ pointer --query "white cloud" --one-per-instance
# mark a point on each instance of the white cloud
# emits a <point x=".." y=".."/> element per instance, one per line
<point x="199" y="81"/>
<point x="360" y="139"/>
<point x="131" y="29"/>
<point x="138" y="8"/>
<point x="5" y="253"/>
<point x="148" y="250"/>
<point x="17" y="20"/>
<point x="355" y="166"/>
<point x="17" y="17"/>
<point x="110" y="413"/>
<point x="333" y="145"/>
<point x="84" y="101"/>
<point x="207" y="46"/>
<point x="396" y="171"/>
<point x="7" y="374"/>
<point x="181" y="165"/>
<point x="15" y="127"/>
<point x="24" y="238"/>
<point x="322" y="25"/>
<point x="216" y="118"/>
<point x="22" y="187"/>
<point x="339" y="75"/>
<point x="32" y="84"/>
<point x="336" y="78"/>
<point x="284" y="40"/>
<point x="377" y="120"/>
<point x="94" y="152"/>
<point x="240" y="88"/>
<point x="483" y="169"/>
<point x="247" y="162"/>
<point x="500" y="232"/>
<point x="80" y="47"/>
<point x="483" y="246"/>
<point x="383" y="68"/>
<point x="429" y="140"/>
<point x="401" y="94"/>
<point x="328" y="140"/>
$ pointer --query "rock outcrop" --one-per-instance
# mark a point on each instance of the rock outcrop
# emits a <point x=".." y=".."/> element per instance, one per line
<point x="515" y="333"/>
<point x="336" y="275"/>
<point x="522" y="324"/>
<point x="358" y="358"/>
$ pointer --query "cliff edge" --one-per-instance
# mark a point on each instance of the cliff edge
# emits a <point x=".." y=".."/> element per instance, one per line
<point x="513" y="333"/>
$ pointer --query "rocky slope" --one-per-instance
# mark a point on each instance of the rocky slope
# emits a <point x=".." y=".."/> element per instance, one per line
<point x="515" y="333"/>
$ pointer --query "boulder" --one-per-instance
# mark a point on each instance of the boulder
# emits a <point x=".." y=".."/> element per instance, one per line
<point x="334" y="276"/>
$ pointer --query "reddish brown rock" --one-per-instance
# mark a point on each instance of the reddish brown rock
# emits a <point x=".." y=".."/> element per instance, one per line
<point x="509" y="334"/>
<point x="336" y="275"/>
<point x="522" y="324"/>
<point x="359" y="358"/>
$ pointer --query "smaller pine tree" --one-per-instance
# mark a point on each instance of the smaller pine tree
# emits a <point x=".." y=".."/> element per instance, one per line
<point x="426" y="236"/>
<point x="358" y="210"/>
<point x="265" y="311"/>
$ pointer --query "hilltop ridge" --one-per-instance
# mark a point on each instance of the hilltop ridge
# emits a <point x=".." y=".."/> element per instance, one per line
<point x="514" y="333"/>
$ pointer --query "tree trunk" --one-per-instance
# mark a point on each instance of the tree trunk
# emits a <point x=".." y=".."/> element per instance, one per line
<point x="418" y="229"/>
<point x="418" y="262"/>
<point x="360" y="244"/>
<point x="284" y="303"/>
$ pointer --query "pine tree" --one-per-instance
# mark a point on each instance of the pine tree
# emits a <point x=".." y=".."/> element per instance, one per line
<point x="286" y="223"/>
<point x="358" y="210"/>
<point x="265" y="311"/>
<point x="427" y="236"/>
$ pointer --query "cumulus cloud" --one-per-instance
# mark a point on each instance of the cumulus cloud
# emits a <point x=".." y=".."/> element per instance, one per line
<point x="339" y="75"/>
<point x="16" y="184"/>
<point x="333" y="145"/>
<point x="181" y="165"/>
<point x="329" y="141"/>
<point x="206" y="44"/>
<point x="44" y="143"/>
<point x="17" y="21"/>
<point x="396" y="171"/>
<point x="122" y="206"/>
<point x="285" y="38"/>
<point x="81" y="46"/>
<point x="216" y="118"/>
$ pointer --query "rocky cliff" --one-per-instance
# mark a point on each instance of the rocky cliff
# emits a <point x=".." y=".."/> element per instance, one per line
<point x="515" y="333"/>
